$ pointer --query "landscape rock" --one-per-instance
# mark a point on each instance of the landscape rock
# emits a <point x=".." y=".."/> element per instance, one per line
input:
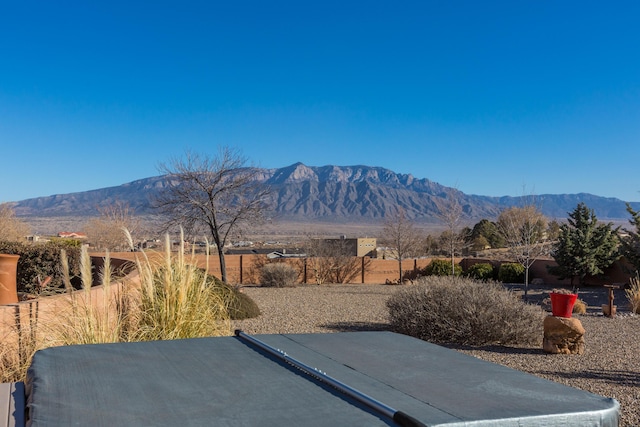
<point x="563" y="335"/>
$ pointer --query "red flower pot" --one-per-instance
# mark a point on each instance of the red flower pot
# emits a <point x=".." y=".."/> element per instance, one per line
<point x="562" y="304"/>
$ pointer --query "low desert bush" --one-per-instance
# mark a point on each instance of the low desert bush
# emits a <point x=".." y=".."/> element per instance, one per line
<point x="441" y="267"/>
<point x="481" y="271"/>
<point x="464" y="311"/>
<point x="278" y="275"/>
<point x="511" y="272"/>
<point x="633" y="294"/>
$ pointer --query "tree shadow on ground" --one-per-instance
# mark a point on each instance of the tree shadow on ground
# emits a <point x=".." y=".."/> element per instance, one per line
<point x="625" y="378"/>
<point x="356" y="326"/>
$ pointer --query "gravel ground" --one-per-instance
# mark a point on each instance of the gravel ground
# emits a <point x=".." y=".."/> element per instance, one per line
<point x="610" y="365"/>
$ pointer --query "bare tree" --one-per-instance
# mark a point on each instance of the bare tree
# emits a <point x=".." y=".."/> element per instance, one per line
<point x="332" y="260"/>
<point x="402" y="235"/>
<point x="11" y="228"/>
<point x="107" y="231"/>
<point x="220" y="194"/>
<point x="524" y="229"/>
<point x="452" y="215"/>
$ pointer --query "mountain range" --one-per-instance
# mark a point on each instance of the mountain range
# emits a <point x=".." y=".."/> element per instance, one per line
<point x="334" y="194"/>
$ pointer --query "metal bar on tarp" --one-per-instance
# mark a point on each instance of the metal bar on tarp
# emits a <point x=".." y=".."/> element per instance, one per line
<point x="398" y="417"/>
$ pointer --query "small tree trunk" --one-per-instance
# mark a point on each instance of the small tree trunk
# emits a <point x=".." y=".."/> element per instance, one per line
<point x="223" y="265"/>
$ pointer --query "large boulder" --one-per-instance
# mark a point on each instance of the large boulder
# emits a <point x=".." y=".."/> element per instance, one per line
<point x="563" y="335"/>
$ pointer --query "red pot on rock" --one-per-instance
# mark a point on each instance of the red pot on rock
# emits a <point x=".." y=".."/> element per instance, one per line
<point x="562" y="304"/>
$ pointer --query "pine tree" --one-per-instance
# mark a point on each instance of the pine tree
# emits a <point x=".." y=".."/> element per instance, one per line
<point x="630" y="244"/>
<point x="584" y="247"/>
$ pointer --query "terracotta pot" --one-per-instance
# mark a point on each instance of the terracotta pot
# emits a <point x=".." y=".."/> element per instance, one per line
<point x="8" y="284"/>
<point x="562" y="304"/>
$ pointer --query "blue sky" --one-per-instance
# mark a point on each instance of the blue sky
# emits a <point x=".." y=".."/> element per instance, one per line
<point x="494" y="98"/>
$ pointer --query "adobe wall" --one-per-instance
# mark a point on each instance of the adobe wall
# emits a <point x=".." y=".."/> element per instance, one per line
<point x="28" y="318"/>
<point x="242" y="269"/>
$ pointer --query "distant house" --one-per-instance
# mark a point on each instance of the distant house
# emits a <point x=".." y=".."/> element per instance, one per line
<point x="72" y="235"/>
<point x="360" y="247"/>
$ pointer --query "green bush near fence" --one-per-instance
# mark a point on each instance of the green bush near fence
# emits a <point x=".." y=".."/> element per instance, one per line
<point x="511" y="272"/>
<point x="42" y="260"/>
<point x="441" y="267"/>
<point x="481" y="271"/>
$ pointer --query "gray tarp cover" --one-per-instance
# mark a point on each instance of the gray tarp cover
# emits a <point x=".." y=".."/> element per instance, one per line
<point x="224" y="381"/>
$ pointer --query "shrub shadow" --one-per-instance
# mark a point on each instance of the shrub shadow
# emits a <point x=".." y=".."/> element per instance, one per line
<point x="356" y="326"/>
<point x="495" y="348"/>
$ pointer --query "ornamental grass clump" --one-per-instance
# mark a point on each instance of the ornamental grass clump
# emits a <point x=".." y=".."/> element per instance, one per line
<point x="90" y="317"/>
<point x="579" y="307"/>
<point x="633" y="294"/>
<point x="176" y="300"/>
<point x="453" y="310"/>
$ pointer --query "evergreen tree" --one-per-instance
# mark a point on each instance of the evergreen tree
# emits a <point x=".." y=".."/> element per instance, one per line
<point x="489" y="232"/>
<point x="584" y="247"/>
<point x="630" y="244"/>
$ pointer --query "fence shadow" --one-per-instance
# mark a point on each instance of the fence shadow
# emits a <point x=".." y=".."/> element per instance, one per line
<point x="624" y="378"/>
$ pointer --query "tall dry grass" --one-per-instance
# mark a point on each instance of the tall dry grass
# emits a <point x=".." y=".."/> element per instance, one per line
<point x="90" y="317"/>
<point x="171" y="299"/>
<point x="176" y="300"/>
<point x="633" y="294"/>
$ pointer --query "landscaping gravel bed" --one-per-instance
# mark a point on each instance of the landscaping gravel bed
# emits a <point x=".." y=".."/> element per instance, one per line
<point x="610" y="365"/>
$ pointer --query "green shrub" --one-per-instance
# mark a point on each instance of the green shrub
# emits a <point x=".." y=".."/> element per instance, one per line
<point x="441" y="267"/>
<point x="239" y="305"/>
<point x="464" y="311"/>
<point x="41" y="261"/>
<point x="242" y="307"/>
<point x="511" y="272"/>
<point x="278" y="275"/>
<point x="481" y="271"/>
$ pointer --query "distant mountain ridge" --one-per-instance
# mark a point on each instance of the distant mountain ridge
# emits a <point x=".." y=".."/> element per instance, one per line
<point x="332" y="193"/>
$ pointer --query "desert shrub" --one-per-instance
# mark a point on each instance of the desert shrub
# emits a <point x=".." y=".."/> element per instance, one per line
<point x="441" y="267"/>
<point x="481" y="271"/>
<point x="633" y="294"/>
<point x="511" y="272"/>
<point x="278" y="275"/>
<point x="464" y="311"/>
<point x="580" y="307"/>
